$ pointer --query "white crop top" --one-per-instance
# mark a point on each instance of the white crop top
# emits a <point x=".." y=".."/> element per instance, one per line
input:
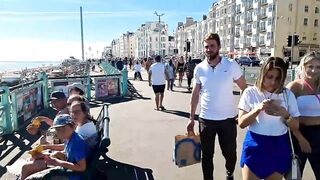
<point x="308" y="105"/>
<point x="266" y="124"/>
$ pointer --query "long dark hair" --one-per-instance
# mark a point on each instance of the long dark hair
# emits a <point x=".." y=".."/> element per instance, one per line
<point x="85" y="109"/>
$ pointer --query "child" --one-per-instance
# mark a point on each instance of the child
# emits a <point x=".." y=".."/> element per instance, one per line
<point x="75" y="149"/>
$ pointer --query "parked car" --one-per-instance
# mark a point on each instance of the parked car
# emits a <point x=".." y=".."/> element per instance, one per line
<point x="249" y="61"/>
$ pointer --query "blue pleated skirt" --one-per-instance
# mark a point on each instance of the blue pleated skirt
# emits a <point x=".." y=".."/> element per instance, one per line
<point x="265" y="155"/>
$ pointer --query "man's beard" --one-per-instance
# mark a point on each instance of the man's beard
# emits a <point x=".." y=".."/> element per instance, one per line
<point x="212" y="56"/>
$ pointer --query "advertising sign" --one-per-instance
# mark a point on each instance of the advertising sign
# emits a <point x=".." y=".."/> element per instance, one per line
<point x="107" y="87"/>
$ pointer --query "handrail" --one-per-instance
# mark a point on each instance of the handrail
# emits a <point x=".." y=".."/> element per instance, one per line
<point x="24" y="84"/>
<point x="103" y="117"/>
<point x="75" y="77"/>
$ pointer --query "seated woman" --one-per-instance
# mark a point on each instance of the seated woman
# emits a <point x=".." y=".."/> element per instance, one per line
<point x="76" y="151"/>
<point x="85" y="124"/>
<point x="267" y="109"/>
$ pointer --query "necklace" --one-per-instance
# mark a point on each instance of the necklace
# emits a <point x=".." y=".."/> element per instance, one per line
<point x="267" y="97"/>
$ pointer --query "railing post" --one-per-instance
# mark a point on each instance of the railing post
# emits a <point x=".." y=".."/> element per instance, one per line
<point x="14" y="115"/>
<point x="6" y="118"/>
<point x="293" y="74"/>
<point x="124" y="81"/>
<point x="89" y="87"/>
<point x="44" y="79"/>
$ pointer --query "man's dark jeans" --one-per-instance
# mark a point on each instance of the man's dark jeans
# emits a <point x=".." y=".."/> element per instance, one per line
<point x="227" y="135"/>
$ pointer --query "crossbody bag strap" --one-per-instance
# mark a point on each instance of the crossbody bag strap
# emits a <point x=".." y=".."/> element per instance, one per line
<point x="287" y="104"/>
<point x="313" y="90"/>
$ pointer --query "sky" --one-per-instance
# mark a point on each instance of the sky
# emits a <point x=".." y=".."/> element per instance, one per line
<point x="49" y="30"/>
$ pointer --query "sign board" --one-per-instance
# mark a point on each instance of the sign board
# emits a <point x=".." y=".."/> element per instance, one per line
<point x="107" y="87"/>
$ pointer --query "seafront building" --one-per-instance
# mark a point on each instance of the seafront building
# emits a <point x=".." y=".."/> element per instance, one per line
<point x="246" y="28"/>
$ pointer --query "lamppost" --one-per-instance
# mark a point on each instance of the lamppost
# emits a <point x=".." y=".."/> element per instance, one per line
<point x="159" y="15"/>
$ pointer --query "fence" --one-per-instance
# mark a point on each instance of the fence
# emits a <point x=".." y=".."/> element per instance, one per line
<point x="20" y="103"/>
<point x="251" y="74"/>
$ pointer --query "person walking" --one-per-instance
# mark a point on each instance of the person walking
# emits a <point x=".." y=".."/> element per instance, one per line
<point x="189" y="68"/>
<point x="137" y="71"/>
<point x="157" y="79"/>
<point x="170" y="75"/>
<point x="180" y="69"/>
<point x="266" y="109"/>
<point x="213" y="84"/>
<point x="307" y="91"/>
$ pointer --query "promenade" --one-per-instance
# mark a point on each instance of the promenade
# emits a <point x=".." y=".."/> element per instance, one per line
<point x="144" y="137"/>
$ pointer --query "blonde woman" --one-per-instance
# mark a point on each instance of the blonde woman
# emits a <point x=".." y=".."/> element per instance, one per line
<point x="307" y="90"/>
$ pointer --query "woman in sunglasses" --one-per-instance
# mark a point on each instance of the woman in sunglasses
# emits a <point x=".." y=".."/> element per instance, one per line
<point x="266" y="110"/>
<point x="307" y="91"/>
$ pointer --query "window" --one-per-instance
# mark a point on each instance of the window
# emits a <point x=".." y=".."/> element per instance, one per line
<point x="316" y="10"/>
<point x="270" y="8"/>
<point x="316" y="23"/>
<point x="269" y="35"/>
<point x="305" y="21"/>
<point x="306" y="8"/>
<point x="269" y="21"/>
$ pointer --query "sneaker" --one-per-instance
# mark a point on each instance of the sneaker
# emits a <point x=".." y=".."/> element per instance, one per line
<point x="230" y="177"/>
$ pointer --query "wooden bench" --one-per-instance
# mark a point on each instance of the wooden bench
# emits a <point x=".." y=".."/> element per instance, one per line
<point x="103" y="167"/>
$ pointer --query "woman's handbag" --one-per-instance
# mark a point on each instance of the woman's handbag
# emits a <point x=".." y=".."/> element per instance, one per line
<point x="294" y="173"/>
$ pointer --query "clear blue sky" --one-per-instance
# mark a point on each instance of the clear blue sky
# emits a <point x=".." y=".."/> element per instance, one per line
<point x="50" y="29"/>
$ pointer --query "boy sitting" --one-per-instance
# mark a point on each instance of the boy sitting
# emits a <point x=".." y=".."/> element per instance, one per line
<point x="76" y="151"/>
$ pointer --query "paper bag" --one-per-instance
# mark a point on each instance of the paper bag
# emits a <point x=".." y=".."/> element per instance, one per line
<point x="187" y="150"/>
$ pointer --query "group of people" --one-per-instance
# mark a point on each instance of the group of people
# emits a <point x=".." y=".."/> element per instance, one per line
<point x="268" y="110"/>
<point x="76" y="133"/>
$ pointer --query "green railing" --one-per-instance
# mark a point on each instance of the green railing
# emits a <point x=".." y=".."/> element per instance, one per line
<point x="251" y="74"/>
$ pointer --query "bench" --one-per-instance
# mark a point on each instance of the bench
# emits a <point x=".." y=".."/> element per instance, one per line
<point x="100" y="165"/>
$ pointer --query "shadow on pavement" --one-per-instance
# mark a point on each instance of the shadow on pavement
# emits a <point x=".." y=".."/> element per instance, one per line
<point x="180" y="113"/>
<point x="13" y="146"/>
<point x="115" y="170"/>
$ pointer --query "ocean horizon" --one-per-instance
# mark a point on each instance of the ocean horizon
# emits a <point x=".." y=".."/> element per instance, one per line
<point x="6" y="66"/>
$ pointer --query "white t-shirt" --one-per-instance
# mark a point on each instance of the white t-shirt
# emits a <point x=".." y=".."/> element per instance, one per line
<point x="266" y="124"/>
<point x="158" y="76"/>
<point x="216" y="96"/>
<point x="89" y="133"/>
<point x="137" y="67"/>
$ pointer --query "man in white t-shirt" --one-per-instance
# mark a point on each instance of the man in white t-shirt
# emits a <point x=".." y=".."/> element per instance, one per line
<point x="214" y="78"/>
<point x="157" y="79"/>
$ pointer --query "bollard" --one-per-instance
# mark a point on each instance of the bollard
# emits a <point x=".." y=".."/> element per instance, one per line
<point x="6" y="118"/>
<point x="124" y="82"/>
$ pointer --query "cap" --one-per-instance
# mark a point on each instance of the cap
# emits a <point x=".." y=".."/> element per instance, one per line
<point x="77" y="85"/>
<point x="62" y="120"/>
<point x="57" y="95"/>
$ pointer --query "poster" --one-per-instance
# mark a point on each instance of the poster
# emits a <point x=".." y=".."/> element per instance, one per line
<point x="29" y="103"/>
<point x="106" y="87"/>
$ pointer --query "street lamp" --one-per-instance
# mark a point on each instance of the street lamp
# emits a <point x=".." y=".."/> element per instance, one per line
<point x="159" y="15"/>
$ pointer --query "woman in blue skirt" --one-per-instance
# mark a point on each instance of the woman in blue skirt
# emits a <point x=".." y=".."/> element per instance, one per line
<point x="266" y="109"/>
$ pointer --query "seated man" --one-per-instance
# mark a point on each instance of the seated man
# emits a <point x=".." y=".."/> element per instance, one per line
<point x="76" y="152"/>
<point x="59" y="102"/>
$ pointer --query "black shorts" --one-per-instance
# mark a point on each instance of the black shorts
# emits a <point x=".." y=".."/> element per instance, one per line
<point x="158" y="88"/>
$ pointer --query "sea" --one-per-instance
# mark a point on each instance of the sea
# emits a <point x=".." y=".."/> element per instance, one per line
<point x="6" y="66"/>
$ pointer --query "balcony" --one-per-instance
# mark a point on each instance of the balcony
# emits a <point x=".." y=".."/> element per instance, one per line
<point x="263" y="2"/>
<point x="249" y="19"/>
<point x="249" y="31"/>
<point x="237" y="22"/>
<point x="261" y="42"/>
<point x="237" y="33"/>
<point x="249" y="6"/>
<point x="263" y="15"/>
<point x="238" y="10"/>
